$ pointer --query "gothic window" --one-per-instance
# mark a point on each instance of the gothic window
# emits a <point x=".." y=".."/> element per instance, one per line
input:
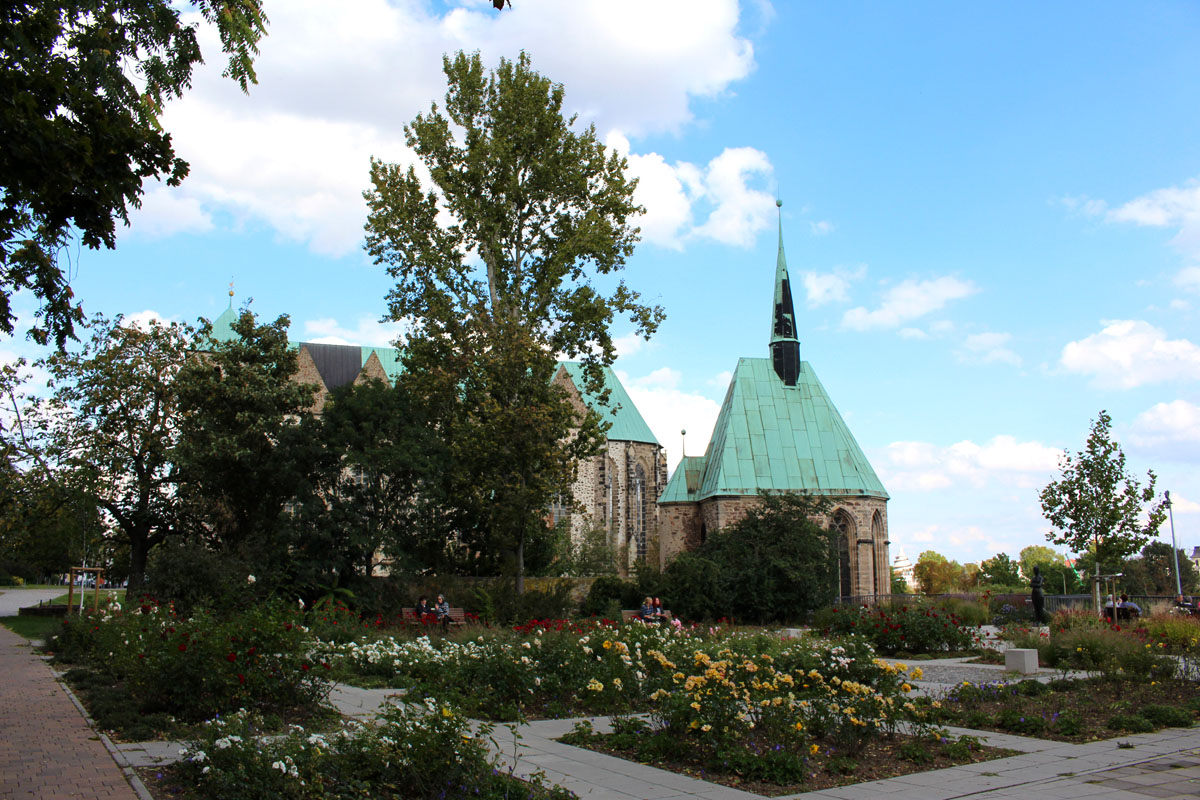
<point x="637" y="511"/>
<point x="845" y="531"/>
<point x="560" y="509"/>
<point x="879" y="550"/>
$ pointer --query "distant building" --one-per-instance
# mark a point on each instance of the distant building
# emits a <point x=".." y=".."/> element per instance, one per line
<point x="779" y="431"/>
<point x="616" y="489"/>
<point x="1195" y="558"/>
<point x="902" y="567"/>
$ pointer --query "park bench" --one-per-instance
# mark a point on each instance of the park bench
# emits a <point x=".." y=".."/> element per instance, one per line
<point x="1123" y="614"/>
<point x="628" y="614"/>
<point x="409" y="616"/>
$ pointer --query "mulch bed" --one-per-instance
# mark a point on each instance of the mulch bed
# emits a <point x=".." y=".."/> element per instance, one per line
<point x="877" y="760"/>
<point x="1089" y="703"/>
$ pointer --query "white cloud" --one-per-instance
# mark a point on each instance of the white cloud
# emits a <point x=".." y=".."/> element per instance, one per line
<point x="1172" y="207"/>
<point x="923" y="466"/>
<point x="1188" y="278"/>
<point x="1083" y="205"/>
<point x="628" y="344"/>
<point x="675" y="195"/>
<point x="821" y="227"/>
<point x="831" y="287"/>
<point x="335" y="89"/>
<point x="142" y="319"/>
<point x="1169" y="430"/>
<point x="721" y="380"/>
<point x="908" y="301"/>
<point x="369" y="332"/>
<point x="987" y="348"/>
<point x="912" y="333"/>
<point x="1129" y="353"/>
<point x="668" y="410"/>
<point x="1181" y="505"/>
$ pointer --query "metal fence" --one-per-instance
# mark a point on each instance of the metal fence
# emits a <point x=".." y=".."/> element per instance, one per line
<point x="1054" y="602"/>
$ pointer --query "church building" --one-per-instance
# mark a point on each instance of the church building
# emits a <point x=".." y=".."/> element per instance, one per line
<point x="614" y="491"/>
<point x="779" y="431"/>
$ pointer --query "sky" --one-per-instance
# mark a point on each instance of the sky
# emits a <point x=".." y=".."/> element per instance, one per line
<point x="991" y="213"/>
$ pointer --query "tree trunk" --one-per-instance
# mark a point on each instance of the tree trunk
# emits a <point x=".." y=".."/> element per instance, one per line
<point x="1096" y="583"/>
<point x="521" y="565"/>
<point x="138" y="550"/>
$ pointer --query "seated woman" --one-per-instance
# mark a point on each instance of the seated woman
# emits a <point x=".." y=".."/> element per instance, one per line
<point x="442" y="609"/>
<point x="648" y="613"/>
<point x="660" y="612"/>
<point x="423" y="609"/>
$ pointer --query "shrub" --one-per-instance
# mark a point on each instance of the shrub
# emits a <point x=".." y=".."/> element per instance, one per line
<point x="605" y="590"/>
<point x="195" y="667"/>
<point x="1167" y="716"/>
<point x="1133" y="723"/>
<point x="911" y="628"/>
<point x="191" y="576"/>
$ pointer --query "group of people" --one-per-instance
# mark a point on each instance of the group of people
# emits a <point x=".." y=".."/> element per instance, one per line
<point x="439" y="610"/>
<point x="1124" y="608"/>
<point x="653" y="611"/>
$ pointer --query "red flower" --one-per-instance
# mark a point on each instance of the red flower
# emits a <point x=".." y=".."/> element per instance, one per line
<point x="305" y="667"/>
<point x="183" y="648"/>
<point x="231" y="658"/>
<point x="241" y="678"/>
<point x="251" y="651"/>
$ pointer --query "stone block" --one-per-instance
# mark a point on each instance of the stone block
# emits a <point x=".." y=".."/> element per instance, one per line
<point x="1021" y="660"/>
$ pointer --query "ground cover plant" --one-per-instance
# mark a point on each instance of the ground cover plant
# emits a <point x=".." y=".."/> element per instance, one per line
<point x="148" y="663"/>
<point x="1070" y="710"/>
<point x="911" y="628"/>
<point x="420" y="750"/>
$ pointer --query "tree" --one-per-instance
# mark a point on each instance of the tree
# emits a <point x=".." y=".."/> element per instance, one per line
<point x="545" y="210"/>
<point x="1038" y="555"/>
<point x="775" y="564"/>
<point x="1153" y="573"/>
<point x="243" y="455"/>
<point x="999" y="570"/>
<point x="1097" y="505"/>
<point x="899" y="584"/>
<point x="935" y="574"/>
<point x="85" y="82"/>
<point x="109" y="430"/>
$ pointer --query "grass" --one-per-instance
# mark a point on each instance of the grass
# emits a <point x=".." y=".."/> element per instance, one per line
<point x="32" y="627"/>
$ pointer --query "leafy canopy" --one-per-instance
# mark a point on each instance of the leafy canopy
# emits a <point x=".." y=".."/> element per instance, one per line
<point x="1097" y="505"/>
<point x="505" y="264"/>
<point x="84" y="83"/>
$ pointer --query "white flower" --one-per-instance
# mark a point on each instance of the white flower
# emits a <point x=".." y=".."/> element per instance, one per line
<point x="250" y="579"/>
<point x="279" y="765"/>
<point x="300" y="600"/>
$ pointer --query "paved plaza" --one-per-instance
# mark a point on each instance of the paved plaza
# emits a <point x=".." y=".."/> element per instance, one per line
<point x="48" y="750"/>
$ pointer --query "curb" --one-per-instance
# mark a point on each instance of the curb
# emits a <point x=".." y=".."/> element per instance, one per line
<point x="118" y="757"/>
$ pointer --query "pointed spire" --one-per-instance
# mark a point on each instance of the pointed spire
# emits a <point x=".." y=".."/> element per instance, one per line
<point x="231" y="294"/>
<point x="785" y="347"/>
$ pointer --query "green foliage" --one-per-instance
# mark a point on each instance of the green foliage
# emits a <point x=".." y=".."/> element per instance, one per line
<point x="1038" y="555"/>
<point x="1097" y="504"/>
<point x="608" y="589"/>
<point x="775" y="564"/>
<point x="192" y="575"/>
<point x="1153" y="572"/>
<point x="243" y="453"/>
<point x="196" y="667"/>
<point x="1130" y="723"/>
<point x="999" y="570"/>
<point x="935" y="574"/>
<point x="899" y="584"/>
<point x="87" y="82"/>
<point x="1167" y="716"/>
<point x="417" y="750"/>
<point x="547" y="210"/>
<point x="911" y="628"/>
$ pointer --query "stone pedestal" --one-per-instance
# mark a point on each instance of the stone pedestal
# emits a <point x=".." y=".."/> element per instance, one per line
<point x="1022" y="661"/>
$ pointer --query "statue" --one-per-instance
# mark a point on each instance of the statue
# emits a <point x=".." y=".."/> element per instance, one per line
<point x="1039" y="599"/>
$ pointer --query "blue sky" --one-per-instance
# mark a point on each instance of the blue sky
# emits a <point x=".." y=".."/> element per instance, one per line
<point x="991" y="215"/>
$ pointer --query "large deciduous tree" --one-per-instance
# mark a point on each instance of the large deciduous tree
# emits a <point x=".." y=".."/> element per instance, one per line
<point x="503" y="265"/>
<point x="109" y="430"/>
<point x="243" y="454"/>
<point x="1097" y="505"/>
<point x="84" y="83"/>
<point x="999" y="570"/>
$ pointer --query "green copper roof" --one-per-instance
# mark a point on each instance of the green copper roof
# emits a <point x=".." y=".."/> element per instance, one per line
<point x="222" y="327"/>
<point x="389" y="359"/>
<point x="778" y="438"/>
<point x="627" y="423"/>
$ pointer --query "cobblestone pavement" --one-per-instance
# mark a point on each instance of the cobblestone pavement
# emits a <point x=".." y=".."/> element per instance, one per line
<point x="47" y="750"/>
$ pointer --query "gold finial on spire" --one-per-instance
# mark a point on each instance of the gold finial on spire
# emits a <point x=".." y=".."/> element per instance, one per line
<point x="231" y="294"/>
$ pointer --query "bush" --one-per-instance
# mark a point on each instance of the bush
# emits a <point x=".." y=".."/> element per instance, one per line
<point x="1133" y="723"/>
<point x="912" y="628"/>
<point x="606" y="590"/>
<point x="192" y="576"/>
<point x="196" y="667"/>
<point x="1167" y="716"/>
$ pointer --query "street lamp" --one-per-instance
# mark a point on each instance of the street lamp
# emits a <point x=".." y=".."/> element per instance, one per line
<point x="1174" y="550"/>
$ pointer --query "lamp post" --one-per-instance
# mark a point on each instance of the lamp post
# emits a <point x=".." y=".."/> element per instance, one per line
<point x="1174" y="549"/>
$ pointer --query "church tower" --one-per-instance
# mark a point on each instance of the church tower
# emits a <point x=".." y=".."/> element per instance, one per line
<point x="778" y="431"/>
<point x="785" y="347"/>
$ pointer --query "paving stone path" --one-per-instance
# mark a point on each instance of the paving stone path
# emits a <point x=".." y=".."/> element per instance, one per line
<point x="47" y="750"/>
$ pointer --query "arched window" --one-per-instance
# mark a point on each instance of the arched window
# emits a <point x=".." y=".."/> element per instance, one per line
<point x="879" y="553"/>
<point x="844" y="525"/>
<point x="637" y="511"/>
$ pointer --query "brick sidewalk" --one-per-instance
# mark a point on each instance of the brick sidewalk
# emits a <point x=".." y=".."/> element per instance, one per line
<point x="47" y="750"/>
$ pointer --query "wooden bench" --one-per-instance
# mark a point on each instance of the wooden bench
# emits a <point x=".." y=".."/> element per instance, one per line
<point x="409" y="616"/>
<point x="629" y="614"/>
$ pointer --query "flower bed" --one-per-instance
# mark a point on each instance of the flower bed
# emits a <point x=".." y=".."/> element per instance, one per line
<point x="417" y="751"/>
<point x="893" y="629"/>
<point x="1069" y="711"/>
